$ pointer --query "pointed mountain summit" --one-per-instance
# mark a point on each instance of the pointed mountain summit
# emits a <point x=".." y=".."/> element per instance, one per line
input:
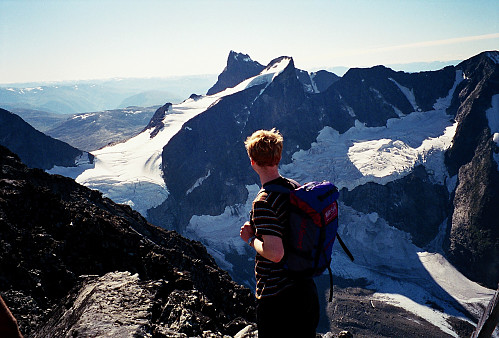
<point x="239" y="68"/>
<point x="264" y="100"/>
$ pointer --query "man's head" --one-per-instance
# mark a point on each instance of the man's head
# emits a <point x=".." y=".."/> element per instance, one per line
<point x="264" y="147"/>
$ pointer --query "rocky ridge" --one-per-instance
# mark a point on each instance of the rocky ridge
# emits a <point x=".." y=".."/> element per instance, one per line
<point x="66" y="250"/>
<point x="473" y="244"/>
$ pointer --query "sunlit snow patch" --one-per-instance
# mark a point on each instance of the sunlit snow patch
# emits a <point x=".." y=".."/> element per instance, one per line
<point x="409" y="94"/>
<point x="380" y="154"/>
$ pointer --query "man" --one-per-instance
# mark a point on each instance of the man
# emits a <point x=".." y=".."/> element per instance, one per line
<point x="285" y="307"/>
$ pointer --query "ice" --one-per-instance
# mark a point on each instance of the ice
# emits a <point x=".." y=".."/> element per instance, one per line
<point x="211" y="229"/>
<point x="82" y="163"/>
<point x="130" y="172"/>
<point x="379" y="154"/>
<point x="444" y="102"/>
<point x="403" y="274"/>
<point x="83" y="116"/>
<point x="198" y="183"/>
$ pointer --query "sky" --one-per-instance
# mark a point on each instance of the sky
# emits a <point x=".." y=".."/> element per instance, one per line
<point x="56" y="40"/>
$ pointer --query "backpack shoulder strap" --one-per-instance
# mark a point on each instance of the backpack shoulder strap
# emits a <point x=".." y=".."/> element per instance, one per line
<point x="277" y="188"/>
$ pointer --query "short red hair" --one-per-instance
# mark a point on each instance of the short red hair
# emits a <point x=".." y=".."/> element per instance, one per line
<point x="265" y="147"/>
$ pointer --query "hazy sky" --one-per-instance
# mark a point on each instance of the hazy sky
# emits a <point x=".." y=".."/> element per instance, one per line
<point x="48" y="40"/>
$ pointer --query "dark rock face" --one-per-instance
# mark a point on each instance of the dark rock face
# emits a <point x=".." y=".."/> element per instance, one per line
<point x="375" y="97"/>
<point x="239" y="68"/>
<point x="54" y="231"/>
<point x="474" y="235"/>
<point x="156" y="121"/>
<point x="36" y="149"/>
<point x="411" y="204"/>
<point x="324" y="79"/>
<point x="306" y="80"/>
<point x="316" y="82"/>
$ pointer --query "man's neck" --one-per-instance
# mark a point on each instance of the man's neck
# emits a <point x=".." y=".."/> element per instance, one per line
<point x="268" y="174"/>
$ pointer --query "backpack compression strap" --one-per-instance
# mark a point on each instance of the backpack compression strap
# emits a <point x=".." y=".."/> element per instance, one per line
<point x="344" y="247"/>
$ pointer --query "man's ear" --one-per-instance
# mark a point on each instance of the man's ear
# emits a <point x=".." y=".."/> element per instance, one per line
<point x="252" y="161"/>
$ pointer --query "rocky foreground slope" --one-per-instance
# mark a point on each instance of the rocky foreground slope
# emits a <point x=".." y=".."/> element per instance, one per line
<point x="73" y="263"/>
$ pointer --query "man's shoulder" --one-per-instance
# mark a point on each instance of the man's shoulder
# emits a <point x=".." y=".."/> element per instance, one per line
<point x="276" y="190"/>
<point x="283" y="182"/>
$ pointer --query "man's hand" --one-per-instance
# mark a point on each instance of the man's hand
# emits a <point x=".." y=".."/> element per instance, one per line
<point x="246" y="232"/>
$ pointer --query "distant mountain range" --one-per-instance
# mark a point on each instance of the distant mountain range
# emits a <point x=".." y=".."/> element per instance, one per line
<point x="411" y="67"/>
<point x="90" y="96"/>
<point x="91" y="131"/>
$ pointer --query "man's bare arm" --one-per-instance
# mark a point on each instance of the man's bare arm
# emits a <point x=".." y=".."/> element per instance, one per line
<point x="270" y="247"/>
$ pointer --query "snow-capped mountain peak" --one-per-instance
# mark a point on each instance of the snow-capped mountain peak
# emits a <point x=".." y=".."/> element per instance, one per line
<point x="130" y="172"/>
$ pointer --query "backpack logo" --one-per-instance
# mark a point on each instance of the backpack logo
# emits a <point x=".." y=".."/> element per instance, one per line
<point x="331" y="212"/>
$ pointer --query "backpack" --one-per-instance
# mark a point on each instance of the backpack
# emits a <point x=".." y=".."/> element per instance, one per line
<point x="313" y="226"/>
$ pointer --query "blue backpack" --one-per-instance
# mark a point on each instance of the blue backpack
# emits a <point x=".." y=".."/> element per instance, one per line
<point x="313" y="226"/>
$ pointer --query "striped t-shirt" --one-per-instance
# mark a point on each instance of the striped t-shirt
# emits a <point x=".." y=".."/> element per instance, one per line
<point x="270" y="215"/>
